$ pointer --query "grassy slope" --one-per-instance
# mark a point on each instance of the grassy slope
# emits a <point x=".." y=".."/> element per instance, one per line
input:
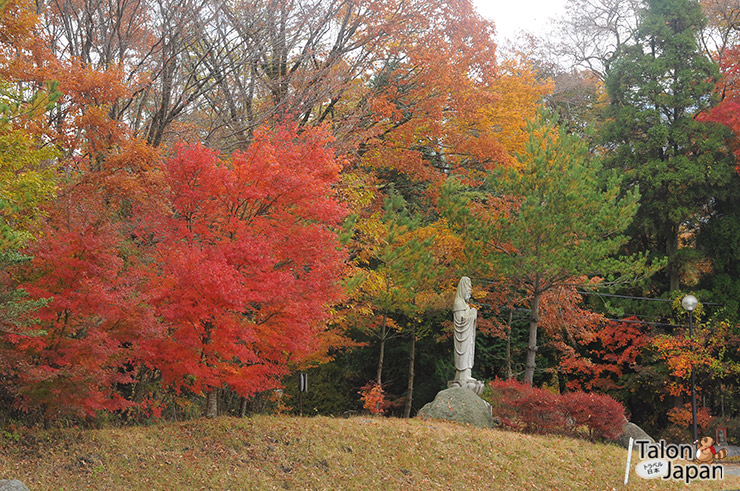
<point x="269" y="452"/>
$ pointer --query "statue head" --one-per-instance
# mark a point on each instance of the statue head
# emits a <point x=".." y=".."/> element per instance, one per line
<point x="464" y="291"/>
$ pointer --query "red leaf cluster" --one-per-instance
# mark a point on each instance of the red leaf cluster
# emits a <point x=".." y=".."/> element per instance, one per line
<point x="602" y="415"/>
<point x="88" y="335"/>
<point x="611" y="349"/>
<point x="245" y="262"/>
<point x="535" y="410"/>
<point x="373" y="398"/>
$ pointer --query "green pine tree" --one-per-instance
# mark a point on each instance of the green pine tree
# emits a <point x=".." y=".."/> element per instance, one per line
<point x="657" y="88"/>
<point x="547" y="222"/>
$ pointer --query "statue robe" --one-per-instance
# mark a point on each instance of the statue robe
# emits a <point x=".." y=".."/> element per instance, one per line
<point x="465" y="321"/>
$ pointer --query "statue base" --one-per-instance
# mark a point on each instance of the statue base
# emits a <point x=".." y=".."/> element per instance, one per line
<point x="460" y="405"/>
<point x="472" y="384"/>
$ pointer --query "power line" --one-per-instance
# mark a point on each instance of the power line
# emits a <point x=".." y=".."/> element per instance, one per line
<point x="661" y="324"/>
<point x="629" y="297"/>
<point x="613" y="295"/>
<point x="628" y="321"/>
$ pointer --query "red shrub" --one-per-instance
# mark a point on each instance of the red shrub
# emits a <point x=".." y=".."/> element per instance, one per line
<point x="601" y="414"/>
<point x="680" y="427"/>
<point x="522" y="407"/>
<point x="541" y="411"/>
<point x="503" y="398"/>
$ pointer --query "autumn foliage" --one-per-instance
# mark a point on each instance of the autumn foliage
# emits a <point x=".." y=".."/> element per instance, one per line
<point x="73" y="356"/>
<point x="225" y="283"/>
<point x="601" y="414"/>
<point x="609" y="350"/>
<point x="373" y="399"/>
<point x="538" y="410"/>
<point x="681" y="420"/>
<point x="244" y="262"/>
<point x="726" y="111"/>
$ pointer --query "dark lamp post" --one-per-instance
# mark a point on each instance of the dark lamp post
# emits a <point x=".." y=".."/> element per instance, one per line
<point x="689" y="303"/>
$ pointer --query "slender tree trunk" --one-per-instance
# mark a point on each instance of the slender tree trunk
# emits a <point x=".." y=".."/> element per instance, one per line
<point x="532" y="345"/>
<point x="211" y="395"/>
<point x="410" y="388"/>
<point x="243" y="407"/>
<point x="509" y="375"/>
<point x="227" y="399"/>
<point x="212" y="403"/>
<point x="383" y="334"/>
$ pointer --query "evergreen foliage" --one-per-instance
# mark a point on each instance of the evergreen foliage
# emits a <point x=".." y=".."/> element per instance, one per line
<point x="657" y="87"/>
<point x="548" y="221"/>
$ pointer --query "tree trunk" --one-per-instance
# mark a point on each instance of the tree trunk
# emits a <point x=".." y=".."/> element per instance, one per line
<point x="532" y="345"/>
<point x="509" y="375"/>
<point x="212" y="403"/>
<point x="383" y="333"/>
<point x="410" y="389"/>
<point x="243" y="407"/>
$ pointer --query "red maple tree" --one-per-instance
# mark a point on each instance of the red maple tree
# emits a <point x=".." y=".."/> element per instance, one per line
<point x="84" y="341"/>
<point x="245" y="263"/>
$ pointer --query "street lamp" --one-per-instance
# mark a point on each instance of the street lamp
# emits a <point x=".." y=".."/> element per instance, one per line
<point x="689" y="303"/>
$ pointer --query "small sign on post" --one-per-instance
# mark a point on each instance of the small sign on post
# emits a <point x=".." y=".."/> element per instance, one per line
<point x="721" y="436"/>
<point x="302" y="387"/>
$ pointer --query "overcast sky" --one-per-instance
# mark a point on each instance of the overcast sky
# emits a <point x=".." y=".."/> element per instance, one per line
<point x="511" y="16"/>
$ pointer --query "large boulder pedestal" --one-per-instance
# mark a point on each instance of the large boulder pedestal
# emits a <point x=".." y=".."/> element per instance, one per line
<point x="461" y="405"/>
<point x="634" y="431"/>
